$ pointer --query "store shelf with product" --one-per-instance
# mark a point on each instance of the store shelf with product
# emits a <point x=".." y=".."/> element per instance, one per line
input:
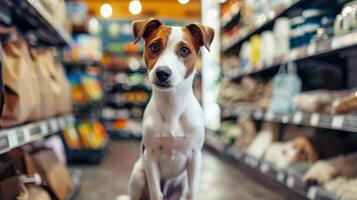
<point x="346" y="122"/>
<point x="265" y="24"/>
<point x="20" y="135"/>
<point x="287" y="183"/>
<point x="32" y="17"/>
<point x="287" y="87"/>
<point x="86" y="141"/>
<point x="321" y="49"/>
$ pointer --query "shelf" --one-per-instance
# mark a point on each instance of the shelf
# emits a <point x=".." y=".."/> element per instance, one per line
<point x="30" y="15"/>
<point x="318" y="120"/>
<point x="11" y="138"/>
<point x="231" y="23"/>
<point x="83" y="63"/>
<point x="141" y="70"/>
<point x="124" y="87"/>
<point x="268" y="172"/>
<point x="86" y="155"/>
<point x="323" y="48"/>
<point x="270" y="19"/>
<point x="114" y="134"/>
<point x="118" y="105"/>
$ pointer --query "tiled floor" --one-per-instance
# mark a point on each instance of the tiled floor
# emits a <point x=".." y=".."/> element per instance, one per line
<point x="220" y="181"/>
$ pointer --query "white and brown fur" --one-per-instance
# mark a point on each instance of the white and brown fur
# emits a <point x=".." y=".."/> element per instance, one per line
<point x="172" y="114"/>
<point x="326" y="170"/>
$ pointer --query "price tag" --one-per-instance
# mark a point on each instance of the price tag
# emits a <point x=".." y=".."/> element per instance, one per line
<point x="269" y="116"/>
<point x="258" y="114"/>
<point x="264" y="168"/>
<point x="62" y="123"/>
<point x="44" y="128"/>
<point x="54" y="125"/>
<point x="254" y="162"/>
<point x="20" y="137"/>
<point x="337" y="122"/>
<point x="12" y="139"/>
<point x="314" y="121"/>
<point x="336" y="43"/>
<point x="311" y="193"/>
<point x="4" y="143"/>
<point x="280" y="176"/>
<point x="27" y="134"/>
<point x="72" y="120"/>
<point x="298" y="117"/>
<point x="285" y="119"/>
<point x="311" y="49"/>
<point x="290" y="182"/>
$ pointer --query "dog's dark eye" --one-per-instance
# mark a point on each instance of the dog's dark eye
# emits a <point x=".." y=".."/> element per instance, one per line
<point x="155" y="47"/>
<point x="184" y="52"/>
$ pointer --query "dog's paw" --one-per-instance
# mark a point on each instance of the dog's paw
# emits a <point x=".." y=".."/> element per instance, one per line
<point x="123" y="197"/>
<point x="319" y="173"/>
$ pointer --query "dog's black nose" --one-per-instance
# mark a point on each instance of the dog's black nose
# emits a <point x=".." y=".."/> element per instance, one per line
<point x="163" y="73"/>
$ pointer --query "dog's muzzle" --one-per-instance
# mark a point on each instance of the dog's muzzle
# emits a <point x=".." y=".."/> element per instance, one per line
<point x="163" y="74"/>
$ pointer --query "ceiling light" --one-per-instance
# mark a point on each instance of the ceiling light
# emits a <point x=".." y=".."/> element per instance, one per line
<point x="135" y="7"/>
<point x="106" y="10"/>
<point x="183" y="1"/>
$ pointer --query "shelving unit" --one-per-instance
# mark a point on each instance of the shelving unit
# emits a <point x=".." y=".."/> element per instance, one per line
<point x="124" y="135"/>
<point x="313" y="50"/>
<point x="333" y="58"/>
<point x="111" y="102"/>
<point x="17" y="136"/>
<point x="33" y="19"/>
<point x="318" y="120"/>
<point x="287" y="183"/>
<point x="270" y="19"/>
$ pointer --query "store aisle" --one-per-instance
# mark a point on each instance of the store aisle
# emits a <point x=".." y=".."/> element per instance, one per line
<point x="220" y="181"/>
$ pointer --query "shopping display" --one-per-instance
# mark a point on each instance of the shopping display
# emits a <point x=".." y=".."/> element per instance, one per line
<point x="79" y="91"/>
<point x="304" y="126"/>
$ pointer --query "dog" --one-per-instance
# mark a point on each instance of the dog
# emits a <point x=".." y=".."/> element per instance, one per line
<point x="326" y="170"/>
<point x="173" y="122"/>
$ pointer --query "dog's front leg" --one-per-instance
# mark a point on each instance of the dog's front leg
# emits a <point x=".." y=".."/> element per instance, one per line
<point x="193" y="174"/>
<point x="153" y="175"/>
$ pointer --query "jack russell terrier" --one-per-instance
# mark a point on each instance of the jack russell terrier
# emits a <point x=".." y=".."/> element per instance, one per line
<point x="173" y="124"/>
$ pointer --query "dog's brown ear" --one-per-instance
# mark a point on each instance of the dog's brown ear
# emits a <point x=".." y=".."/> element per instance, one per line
<point x="202" y="35"/>
<point x="306" y="148"/>
<point x="143" y="28"/>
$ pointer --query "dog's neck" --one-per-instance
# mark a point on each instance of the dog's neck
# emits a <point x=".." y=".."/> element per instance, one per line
<point x="172" y="104"/>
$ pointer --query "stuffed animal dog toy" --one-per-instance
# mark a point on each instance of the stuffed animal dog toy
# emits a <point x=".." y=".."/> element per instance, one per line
<point x="173" y="124"/>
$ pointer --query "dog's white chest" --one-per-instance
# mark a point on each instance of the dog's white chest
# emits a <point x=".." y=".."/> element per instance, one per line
<point x="171" y="152"/>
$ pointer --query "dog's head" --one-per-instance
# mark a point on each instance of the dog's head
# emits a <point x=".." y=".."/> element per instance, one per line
<point x="300" y="149"/>
<point x="171" y="52"/>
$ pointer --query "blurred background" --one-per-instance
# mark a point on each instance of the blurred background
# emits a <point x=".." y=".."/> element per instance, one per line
<point x="278" y="89"/>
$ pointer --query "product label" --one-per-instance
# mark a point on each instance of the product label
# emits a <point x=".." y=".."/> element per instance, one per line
<point x="314" y="121"/>
<point x="280" y="176"/>
<point x="290" y="182"/>
<point x="298" y="117"/>
<point x="12" y="137"/>
<point x="311" y="193"/>
<point x="4" y="143"/>
<point x="269" y="116"/>
<point x="337" y="122"/>
<point x="264" y="168"/>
